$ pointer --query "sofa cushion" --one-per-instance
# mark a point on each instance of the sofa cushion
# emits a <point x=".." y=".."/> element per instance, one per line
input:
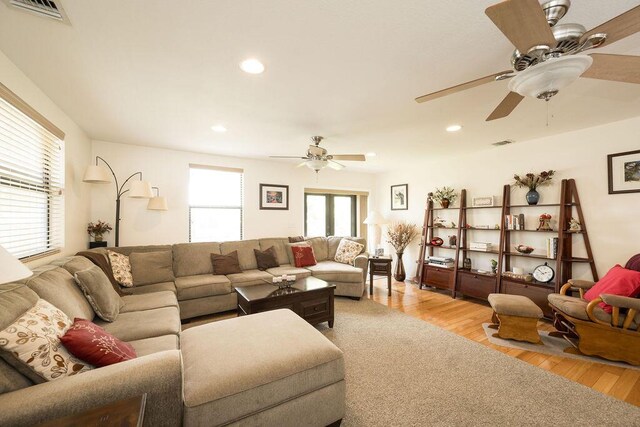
<point x="576" y="307"/>
<point x="347" y="251"/>
<point x="42" y="351"/>
<point x="289" y="269"/>
<point x="150" y="289"/>
<point x="92" y="344"/>
<point x="250" y="384"/>
<point x="334" y="241"/>
<point x="11" y="379"/>
<point x="151" y="267"/>
<point x="121" y="268"/>
<point x="249" y="277"/>
<point x="15" y="300"/>
<point x="245" y="248"/>
<point x="190" y="259"/>
<point x="73" y="264"/>
<point x="128" y="250"/>
<point x="279" y="245"/>
<point x="226" y="264"/>
<point x="320" y="248"/>
<point x="618" y="281"/>
<point x="137" y="325"/>
<point x="332" y="271"/>
<point x="202" y="285"/>
<point x="147" y="346"/>
<point x="57" y="286"/>
<point x="96" y="287"/>
<point x="148" y="301"/>
<point x="266" y="258"/>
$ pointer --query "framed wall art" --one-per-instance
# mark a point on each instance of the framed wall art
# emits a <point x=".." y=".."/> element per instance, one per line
<point x="274" y="196"/>
<point x="624" y="172"/>
<point x="482" y="201"/>
<point x="400" y="197"/>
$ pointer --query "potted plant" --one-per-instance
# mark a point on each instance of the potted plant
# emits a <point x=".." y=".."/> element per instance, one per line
<point x="400" y="234"/>
<point x="98" y="229"/>
<point x="445" y="196"/>
<point x="494" y="266"/>
<point x="532" y="182"/>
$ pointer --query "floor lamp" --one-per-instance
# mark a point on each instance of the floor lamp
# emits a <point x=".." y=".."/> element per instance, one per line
<point x="374" y="221"/>
<point x="11" y="269"/>
<point x="139" y="189"/>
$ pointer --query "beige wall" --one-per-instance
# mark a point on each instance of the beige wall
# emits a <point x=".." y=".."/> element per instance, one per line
<point x="169" y="170"/>
<point x="77" y="155"/>
<point x="612" y="220"/>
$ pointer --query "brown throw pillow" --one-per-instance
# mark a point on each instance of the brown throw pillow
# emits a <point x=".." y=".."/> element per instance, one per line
<point x="296" y="239"/>
<point x="267" y="258"/>
<point x="226" y="264"/>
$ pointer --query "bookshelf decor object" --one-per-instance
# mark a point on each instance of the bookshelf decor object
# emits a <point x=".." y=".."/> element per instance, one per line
<point x="447" y="270"/>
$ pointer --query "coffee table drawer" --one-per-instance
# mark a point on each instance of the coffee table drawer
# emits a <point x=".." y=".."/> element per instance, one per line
<point x="315" y="307"/>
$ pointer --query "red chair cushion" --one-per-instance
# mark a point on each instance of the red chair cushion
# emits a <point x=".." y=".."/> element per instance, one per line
<point x="618" y="281"/>
<point x="92" y="344"/>
<point x="303" y="256"/>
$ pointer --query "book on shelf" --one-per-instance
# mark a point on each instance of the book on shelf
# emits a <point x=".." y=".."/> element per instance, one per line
<point x="552" y="247"/>
<point x="514" y="222"/>
<point x="448" y="265"/>
<point x="481" y="246"/>
<point x="438" y="261"/>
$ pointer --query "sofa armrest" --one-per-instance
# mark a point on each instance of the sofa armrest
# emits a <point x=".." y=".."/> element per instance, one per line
<point x="577" y="284"/>
<point x="159" y="375"/>
<point x="616" y="302"/>
<point x="362" y="261"/>
<point x="621" y="302"/>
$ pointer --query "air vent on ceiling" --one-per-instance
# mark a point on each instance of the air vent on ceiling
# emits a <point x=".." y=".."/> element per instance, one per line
<point x="42" y="8"/>
<point x="505" y="142"/>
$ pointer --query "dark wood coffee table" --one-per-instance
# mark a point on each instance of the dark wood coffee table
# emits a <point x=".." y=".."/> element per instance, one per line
<point x="310" y="298"/>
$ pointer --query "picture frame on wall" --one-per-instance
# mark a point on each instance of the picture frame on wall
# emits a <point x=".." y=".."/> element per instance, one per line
<point x="624" y="172"/>
<point x="482" y="202"/>
<point x="400" y="197"/>
<point x="274" y="197"/>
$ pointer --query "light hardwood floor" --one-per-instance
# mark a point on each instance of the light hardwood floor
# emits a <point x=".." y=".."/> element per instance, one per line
<point x="465" y="317"/>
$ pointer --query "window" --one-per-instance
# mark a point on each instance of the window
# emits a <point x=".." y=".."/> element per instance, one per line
<point x="31" y="180"/>
<point x="330" y="215"/>
<point x="215" y="204"/>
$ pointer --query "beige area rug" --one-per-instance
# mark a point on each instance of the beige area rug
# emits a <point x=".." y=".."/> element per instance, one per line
<point x="551" y="345"/>
<point x="402" y="371"/>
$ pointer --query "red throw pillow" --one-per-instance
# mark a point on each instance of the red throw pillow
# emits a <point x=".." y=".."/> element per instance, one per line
<point x="618" y="281"/>
<point x="303" y="256"/>
<point x="92" y="344"/>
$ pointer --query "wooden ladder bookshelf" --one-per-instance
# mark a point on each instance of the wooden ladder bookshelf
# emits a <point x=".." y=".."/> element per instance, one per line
<point x="479" y="284"/>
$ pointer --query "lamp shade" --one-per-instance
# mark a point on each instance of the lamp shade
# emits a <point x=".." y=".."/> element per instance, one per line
<point x="550" y="76"/>
<point x="140" y="190"/>
<point x="157" y="203"/>
<point x="11" y="269"/>
<point x="374" y="218"/>
<point x="316" y="164"/>
<point x="97" y="175"/>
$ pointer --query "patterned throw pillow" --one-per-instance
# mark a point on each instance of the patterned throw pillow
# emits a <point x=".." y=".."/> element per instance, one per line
<point x="91" y="343"/>
<point x="303" y="256"/>
<point x="33" y="340"/>
<point x="121" y="268"/>
<point x="347" y="251"/>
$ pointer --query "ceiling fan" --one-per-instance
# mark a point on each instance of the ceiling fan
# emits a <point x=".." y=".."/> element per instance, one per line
<point x="317" y="157"/>
<point x="548" y="56"/>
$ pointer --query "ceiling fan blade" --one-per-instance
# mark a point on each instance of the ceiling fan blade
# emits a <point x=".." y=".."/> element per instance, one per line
<point x="619" y="27"/>
<point x="460" y="87"/>
<point x="287" y="157"/>
<point x="301" y="164"/>
<point x="618" y="68"/>
<point x="523" y="22"/>
<point x="349" y="157"/>
<point x="335" y="165"/>
<point x="508" y="104"/>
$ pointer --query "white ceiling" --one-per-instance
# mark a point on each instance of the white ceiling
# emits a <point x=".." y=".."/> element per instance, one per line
<point x="161" y="73"/>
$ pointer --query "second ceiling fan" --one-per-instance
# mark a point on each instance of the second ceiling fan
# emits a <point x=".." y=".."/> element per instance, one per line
<point x="549" y="57"/>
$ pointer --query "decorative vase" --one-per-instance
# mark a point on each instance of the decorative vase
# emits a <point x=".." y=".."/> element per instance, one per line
<point x="399" y="274"/>
<point x="97" y="237"/>
<point x="444" y="203"/>
<point x="533" y="197"/>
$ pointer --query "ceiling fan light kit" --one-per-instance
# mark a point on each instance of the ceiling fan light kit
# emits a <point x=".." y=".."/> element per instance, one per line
<point x="317" y="158"/>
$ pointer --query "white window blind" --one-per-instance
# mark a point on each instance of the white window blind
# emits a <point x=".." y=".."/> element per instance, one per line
<point x="215" y="204"/>
<point x="31" y="184"/>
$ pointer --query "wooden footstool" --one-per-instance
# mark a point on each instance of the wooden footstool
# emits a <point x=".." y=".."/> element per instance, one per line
<point x="516" y="317"/>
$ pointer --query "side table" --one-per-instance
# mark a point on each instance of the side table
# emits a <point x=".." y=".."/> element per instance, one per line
<point x="380" y="266"/>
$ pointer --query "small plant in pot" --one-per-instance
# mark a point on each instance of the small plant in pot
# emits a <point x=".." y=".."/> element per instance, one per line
<point x="532" y="182"/>
<point x="98" y="229"/>
<point x="445" y="196"/>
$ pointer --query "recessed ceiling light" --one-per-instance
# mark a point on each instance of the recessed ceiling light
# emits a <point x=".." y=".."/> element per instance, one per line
<point x="252" y="66"/>
<point x="219" y="128"/>
<point x="371" y="154"/>
<point x="454" y="128"/>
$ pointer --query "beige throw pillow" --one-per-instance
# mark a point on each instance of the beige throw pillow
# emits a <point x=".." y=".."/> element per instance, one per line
<point x="121" y="268"/>
<point x="98" y="290"/>
<point x="347" y="251"/>
<point x="33" y="340"/>
<point x="151" y="267"/>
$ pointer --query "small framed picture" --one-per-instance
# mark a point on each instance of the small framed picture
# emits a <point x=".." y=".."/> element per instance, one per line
<point x="400" y="197"/>
<point x="379" y="252"/>
<point x="483" y="201"/>
<point x="624" y="172"/>
<point x="274" y="197"/>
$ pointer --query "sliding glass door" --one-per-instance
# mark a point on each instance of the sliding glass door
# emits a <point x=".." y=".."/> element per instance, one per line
<point x="330" y="215"/>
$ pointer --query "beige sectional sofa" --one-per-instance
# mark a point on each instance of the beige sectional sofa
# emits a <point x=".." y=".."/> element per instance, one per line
<point x="223" y="373"/>
<point x="200" y="292"/>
